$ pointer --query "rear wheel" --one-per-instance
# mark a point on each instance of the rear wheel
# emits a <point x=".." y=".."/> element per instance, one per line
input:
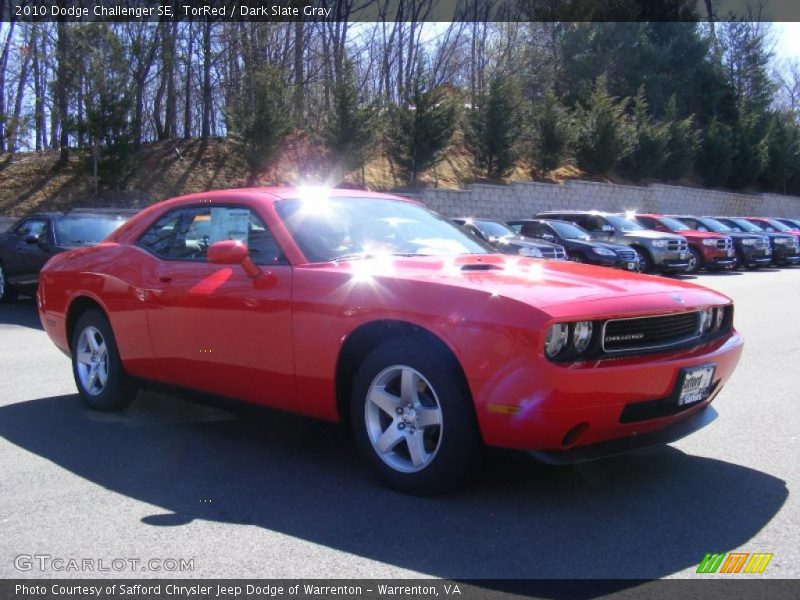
<point x="7" y="294"/>
<point x="412" y="418"/>
<point x="96" y="366"/>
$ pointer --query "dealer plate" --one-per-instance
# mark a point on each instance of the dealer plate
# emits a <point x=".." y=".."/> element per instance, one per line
<point x="631" y="266"/>
<point x="696" y="384"/>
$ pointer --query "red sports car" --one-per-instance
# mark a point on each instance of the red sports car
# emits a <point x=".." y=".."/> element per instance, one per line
<point x="373" y="310"/>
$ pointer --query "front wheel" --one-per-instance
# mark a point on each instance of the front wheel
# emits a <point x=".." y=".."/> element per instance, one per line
<point x="645" y="264"/>
<point x="412" y="418"/>
<point x="101" y="380"/>
<point x="695" y="261"/>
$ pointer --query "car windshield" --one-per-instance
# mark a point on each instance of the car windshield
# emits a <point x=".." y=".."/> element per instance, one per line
<point x="743" y="225"/>
<point x="329" y="229"/>
<point x="86" y="229"/>
<point x="569" y="231"/>
<point x="777" y="225"/>
<point x="494" y="229"/>
<point x="623" y="223"/>
<point x="673" y="224"/>
<point x="793" y="223"/>
<point x="713" y="225"/>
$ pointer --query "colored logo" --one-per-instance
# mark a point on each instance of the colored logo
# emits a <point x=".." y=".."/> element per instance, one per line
<point x="734" y="562"/>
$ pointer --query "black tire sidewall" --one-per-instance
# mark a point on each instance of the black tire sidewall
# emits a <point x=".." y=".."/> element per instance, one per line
<point x="119" y="390"/>
<point x="459" y="450"/>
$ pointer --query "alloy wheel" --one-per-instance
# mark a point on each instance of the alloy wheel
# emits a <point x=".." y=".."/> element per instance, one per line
<point x="403" y="419"/>
<point x="92" y="361"/>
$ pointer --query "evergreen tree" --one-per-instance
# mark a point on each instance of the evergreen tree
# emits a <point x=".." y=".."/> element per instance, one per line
<point x="495" y="127"/>
<point x="783" y="152"/>
<point x="552" y="131"/>
<point x="650" y="140"/>
<point x="715" y="161"/>
<point x="421" y="127"/>
<point x="603" y="136"/>
<point x="258" y="118"/>
<point x="750" y="150"/>
<point x="683" y="142"/>
<point x="350" y="130"/>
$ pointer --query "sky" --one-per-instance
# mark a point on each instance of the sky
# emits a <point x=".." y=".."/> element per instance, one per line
<point x="787" y="40"/>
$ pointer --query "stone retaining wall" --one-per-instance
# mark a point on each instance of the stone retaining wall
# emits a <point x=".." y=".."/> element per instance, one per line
<point x="521" y="200"/>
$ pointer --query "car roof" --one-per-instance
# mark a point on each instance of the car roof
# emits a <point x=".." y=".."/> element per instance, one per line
<point x="274" y="193"/>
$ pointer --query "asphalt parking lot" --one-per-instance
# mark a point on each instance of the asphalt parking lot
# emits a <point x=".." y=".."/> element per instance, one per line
<point x="261" y="494"/>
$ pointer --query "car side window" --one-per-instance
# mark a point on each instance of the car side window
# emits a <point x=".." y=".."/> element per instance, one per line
<point x="534" y="230"/>
<point x="690" y="223"/>
<point x="591" y="223"/>
<point x="28" y="227"/>
<point x="186" y="234"/>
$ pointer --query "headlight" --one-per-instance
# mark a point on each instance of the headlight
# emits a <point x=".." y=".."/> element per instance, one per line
<point x="719" y="316"/>
<point x="706" y="320"/>
<point x="780" y="241"/>
<point x="660" y="243"/>
<point x="709" y="242"/>
<point x="603" y="251"/>
<point x="582" y="335"/>
<point x="532" y="252"/>
<point x="749" y="242"/>
<point x="556" y="339"/>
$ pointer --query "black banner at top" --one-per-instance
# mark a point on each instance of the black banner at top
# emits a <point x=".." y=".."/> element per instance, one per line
<point x="397" y="10"/>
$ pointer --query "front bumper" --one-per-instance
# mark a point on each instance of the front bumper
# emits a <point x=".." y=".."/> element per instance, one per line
<point x="695" y="421"/>
<point x="536" y="407"/>
<point x="783" y="255"/>
<point x="614" y="262"/>
<point x="669" y="260"/>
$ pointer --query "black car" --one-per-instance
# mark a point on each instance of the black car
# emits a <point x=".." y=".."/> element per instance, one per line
<point x="785" y="248"/>
<point x="579" y="244"/>
<point x="30" y="242"/>
<point x="505" y="239"/>
<point x="753" y="250"/>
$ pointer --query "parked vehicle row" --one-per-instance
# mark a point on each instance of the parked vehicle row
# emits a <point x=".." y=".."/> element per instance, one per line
<point x="427" y="341"/>
<point x="647" y="242"/>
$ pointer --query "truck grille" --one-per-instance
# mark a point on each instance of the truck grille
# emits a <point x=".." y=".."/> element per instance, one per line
<point x="643" y="333"/>
<point x="626" y="254"/>
<point x="725" y="244"/>
<point x="762" y="244"/>
<point x="677" y="245"/>
<point x="554" y="253"/>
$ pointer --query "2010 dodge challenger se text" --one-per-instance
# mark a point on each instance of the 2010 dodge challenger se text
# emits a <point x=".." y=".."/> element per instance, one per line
<point x="371" y="309"/>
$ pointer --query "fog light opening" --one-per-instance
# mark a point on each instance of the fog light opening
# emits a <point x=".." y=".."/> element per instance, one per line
<point x="574" y="435"/>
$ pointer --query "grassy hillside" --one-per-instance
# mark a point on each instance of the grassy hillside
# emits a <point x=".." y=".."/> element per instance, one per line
<point x="33" y="181"/>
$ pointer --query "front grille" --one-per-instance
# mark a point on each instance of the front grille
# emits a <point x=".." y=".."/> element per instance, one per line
<point x="627" y="254"/>
<point x="676" y="245"/>
<point x="554" y="253"/>
<point x="643" y="333"/>
<point x="762" y="244"/>
<point x="725" y="244"/>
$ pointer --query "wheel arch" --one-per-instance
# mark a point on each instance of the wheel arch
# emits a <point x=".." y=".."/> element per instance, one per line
<point x="78" y="306"/>
<point x="368" y="336"/>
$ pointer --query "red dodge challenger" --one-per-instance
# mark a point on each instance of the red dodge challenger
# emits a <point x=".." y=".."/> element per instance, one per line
<point x="373" y="310"/>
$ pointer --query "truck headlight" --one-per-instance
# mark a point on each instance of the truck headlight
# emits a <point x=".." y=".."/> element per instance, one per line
<point x="582" y="335"/>
<point x="603" y="251"/>
<point x="660" y="243"/>
<point x="556" y="339"/>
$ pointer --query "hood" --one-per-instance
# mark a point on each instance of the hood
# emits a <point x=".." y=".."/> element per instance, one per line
<point x="691" y="234"/>
<point x="740" y="235"/>
<point x="543" y="284"/>
<point x="652" y="235"/>
<point x="597" y="244"/>
<point x="520" y="242"/>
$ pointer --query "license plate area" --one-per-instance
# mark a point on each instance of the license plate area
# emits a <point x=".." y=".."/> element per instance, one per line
<point x="695" y="384"/>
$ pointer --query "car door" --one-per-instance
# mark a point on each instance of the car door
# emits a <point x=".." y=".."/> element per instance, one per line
<point x="26" y="249"/>
<point x="213" y="327"/>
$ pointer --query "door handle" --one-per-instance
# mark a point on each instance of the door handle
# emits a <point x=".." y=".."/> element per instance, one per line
<point x="165" y="279"/>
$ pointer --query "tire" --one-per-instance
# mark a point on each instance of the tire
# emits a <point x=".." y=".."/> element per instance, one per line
<point x="695" y="261"/>
<point x="417" y="459"/>
<point x="94" y="354"/>
<point x="7" y="294"/>
<point x="645" y="264"/>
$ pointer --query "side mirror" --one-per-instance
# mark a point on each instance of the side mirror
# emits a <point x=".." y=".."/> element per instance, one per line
<point x="233" y="252"/>
<point x="549" y="237"/>
<point x="33" y="238"/>
<point x="607" y="228"/>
